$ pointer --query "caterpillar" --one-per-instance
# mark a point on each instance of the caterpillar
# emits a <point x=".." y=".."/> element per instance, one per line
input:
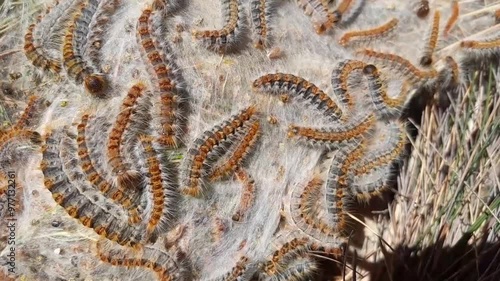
<point x="172" y="102"/>
<point x="228" y="37"/>
<point x="126" y="198"/>
<point x="455" y="11"/>
<point x="322" y="18"/>
<point x="378" y="162"/>
<point x="163" y="190"/>
<point x="239" y="154"/>
<point x="261" y="12"/>
<point x="76" y="68"/>
<point x="298" y="87"/>
<point x="426" y="58"/>
<point x="125" y="177"/>
<point x="209" y="146"/>
<point x="286" y="252"/>
<point x="96" y="31"/>
<point x="340" y="78"/>
<point x="36" y="55"/>
<point x="76" y="204"/>
<point x="384" y="105"/>
<point x="369" y="34"/>
<point x="247" y="195"/>
<point x="400" y="65"/>
<point x="334" y="138"/>
<point x="163" y="264"/>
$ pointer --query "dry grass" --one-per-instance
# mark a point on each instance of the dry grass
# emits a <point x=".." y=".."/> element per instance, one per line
<point x="443" y="223"/>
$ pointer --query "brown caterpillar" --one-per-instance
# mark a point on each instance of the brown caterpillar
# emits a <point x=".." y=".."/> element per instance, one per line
<point x="212" y="143"/>
<point x="75" y="66"/>
<point x="125" y="177"/>
<point x="228" y="37"/>
<point x="171" y="102"/>
<point x="426" y="59"/>
<point x="239" y="154"/>
<point x="247" y="195"/>
<point x="369" y="34"/>
<point x="78" y="205"/>
<point x="124" y="197"/>
<point x="299" y="87"/>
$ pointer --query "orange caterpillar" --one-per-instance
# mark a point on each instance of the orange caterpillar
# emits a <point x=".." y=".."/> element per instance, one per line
<point x="280" y="257"/>
<point x="163" y="193"/>
<point x="333" y="138"/>
<point x="323" y="19"/>
<point x="239" y="153"/>
<point x="376" y="163"/>
<point x="426" y="59"/>
<point x="384" y="105"/>
<point x="337" y="186"/>
<point x="26" y="118"/>
<point x="12" y="136"/>
<point x="340" y="78"/>
<point x="212" y="143"/>
<point x="298" y="87"/>
<point x="260" y="13"/>
<point x="76" y="203"/>
<point x="36" y="55"/>
<point x="369" y="34"/>
<point x="400" y="65"/>
<point x="76" y="68"/>
<point x="455" y="11"/>
<point x="161" y="263"/>
<point x="126" y="178"/>
<point x="247" y="195"/>
<point x="170" y="101"/>
<point x="226" y="38"/>
<point x="306" y="213"/>
<point x="123" y="197"/>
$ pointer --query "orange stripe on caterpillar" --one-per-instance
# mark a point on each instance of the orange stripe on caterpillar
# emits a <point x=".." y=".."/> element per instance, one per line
<point x="455" y="12"/>
<point x="247" y="195"/>
<point x="125" y="177"/>
<point x="426" y="59"/>
<point x="369" y="34"/>
<point x="239" y="154"/>
<point x="210" y="143"/>
<point x="120" y="195"/>
<point x="226" y="38"/>
<point x="298" y="87"/>
<point x="401" y="65"/>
